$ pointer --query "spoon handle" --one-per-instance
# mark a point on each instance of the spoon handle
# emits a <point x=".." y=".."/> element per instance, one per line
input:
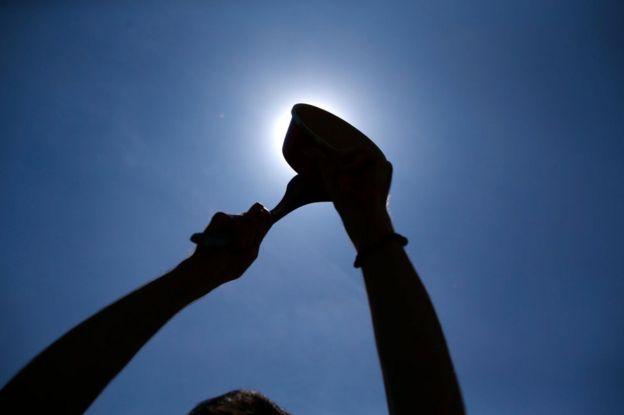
<point x="299" y="192"/>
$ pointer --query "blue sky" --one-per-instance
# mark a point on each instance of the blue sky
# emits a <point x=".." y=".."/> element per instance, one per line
<point x="124" y="127"/>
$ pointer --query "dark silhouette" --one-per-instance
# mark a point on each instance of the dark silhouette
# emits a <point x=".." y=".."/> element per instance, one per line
<point x="238" y="402"/>
<point x="299" y="192"/>
<point x="417" y="370"/>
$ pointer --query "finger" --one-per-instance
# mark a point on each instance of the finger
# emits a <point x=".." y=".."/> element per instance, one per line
<point x="246" y="227"/>
<point x="257" y="222"/>
<point x="241" y="230"/>
<point x="263" y="216"/>
<point x="262" y="222"/>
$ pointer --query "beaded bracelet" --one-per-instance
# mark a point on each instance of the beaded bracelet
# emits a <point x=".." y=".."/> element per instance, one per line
<point x="370" y="249"/>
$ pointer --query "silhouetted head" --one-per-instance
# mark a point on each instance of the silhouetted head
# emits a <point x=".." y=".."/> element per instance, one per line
<point x="238" y="402"/>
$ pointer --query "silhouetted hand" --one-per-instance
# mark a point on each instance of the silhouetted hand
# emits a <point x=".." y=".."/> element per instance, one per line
<point x="69" y="374"/>
<point x="244" y="232"/>
<point x="417" y="369"/>
<point x="358" y="181"/>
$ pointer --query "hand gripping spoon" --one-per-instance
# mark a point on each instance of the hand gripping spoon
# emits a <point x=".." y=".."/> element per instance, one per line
<point x="299" y="192"/>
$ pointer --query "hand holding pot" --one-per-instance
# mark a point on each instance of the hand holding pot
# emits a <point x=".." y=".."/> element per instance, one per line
<point x="345" y="164"/>
<point x="358" y="183"/>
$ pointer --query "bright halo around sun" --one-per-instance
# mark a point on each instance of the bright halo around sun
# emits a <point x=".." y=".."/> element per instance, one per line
<point x="280" y="127"/>
<point x="282" y="118"/>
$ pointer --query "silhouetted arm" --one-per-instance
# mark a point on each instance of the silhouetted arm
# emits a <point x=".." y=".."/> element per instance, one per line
<point x="416" y="365"/>
<point x="418" y="373"/>
<point x="68" y="375"/>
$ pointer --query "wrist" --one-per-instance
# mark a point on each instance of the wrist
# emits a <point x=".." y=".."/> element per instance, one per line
<point x="366" y="227"/>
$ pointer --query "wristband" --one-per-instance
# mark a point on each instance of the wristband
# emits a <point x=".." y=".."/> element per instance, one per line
<point x="370" y="249"/>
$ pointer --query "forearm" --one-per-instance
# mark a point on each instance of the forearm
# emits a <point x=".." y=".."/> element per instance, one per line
<point x="68" y="375"/>
<point x="417" y="369"/>
<point x="418" y="373"/>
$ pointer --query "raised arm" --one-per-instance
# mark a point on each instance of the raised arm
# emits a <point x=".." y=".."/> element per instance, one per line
<point x="418" y="373"/>
<point x="68" y="375"/>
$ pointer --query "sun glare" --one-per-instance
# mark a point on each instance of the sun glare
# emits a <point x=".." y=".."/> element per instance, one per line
<point x="280" y="126"/>
<point x="282" y="118"/>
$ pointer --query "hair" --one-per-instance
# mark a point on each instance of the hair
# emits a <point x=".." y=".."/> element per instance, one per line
<point x="238" y="402"/>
